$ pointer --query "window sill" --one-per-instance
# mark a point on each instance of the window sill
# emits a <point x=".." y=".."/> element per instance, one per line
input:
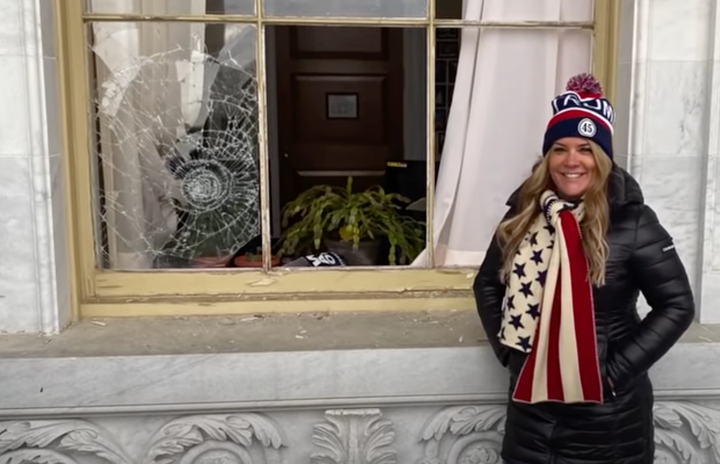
<point x="152" y="336"/>
<point x="251" y="334"/>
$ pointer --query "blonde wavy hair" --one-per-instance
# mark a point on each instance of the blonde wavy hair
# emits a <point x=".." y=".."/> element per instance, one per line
<point x="593" y="226"/>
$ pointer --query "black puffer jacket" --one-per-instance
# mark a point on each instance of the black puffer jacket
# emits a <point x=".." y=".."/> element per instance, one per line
<point x="620" y="431"/>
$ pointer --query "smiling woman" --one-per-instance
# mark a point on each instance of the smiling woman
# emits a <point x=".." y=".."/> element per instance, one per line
<point x="561" y="317"/>
<point x="576" y="165"/>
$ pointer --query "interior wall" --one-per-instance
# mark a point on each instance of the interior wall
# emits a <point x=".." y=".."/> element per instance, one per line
<point x="449" y="8"/>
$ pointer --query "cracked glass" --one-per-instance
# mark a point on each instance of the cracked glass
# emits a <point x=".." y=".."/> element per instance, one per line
<point x="176" y="143"/>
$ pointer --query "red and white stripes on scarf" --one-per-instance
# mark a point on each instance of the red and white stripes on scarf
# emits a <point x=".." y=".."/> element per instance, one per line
<point x="563" y="362"/>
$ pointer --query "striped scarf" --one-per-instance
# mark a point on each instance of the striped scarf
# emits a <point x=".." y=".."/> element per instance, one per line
<point x="548" y="310"/>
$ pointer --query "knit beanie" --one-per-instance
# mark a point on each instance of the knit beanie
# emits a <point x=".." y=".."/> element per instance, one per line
<point x="581" y="111"/>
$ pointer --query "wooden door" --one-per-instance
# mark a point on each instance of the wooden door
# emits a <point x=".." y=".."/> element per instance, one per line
<point x="340" y="105"/>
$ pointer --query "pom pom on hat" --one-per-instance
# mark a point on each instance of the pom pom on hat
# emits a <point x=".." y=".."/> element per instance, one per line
<point x="585" y="85"/>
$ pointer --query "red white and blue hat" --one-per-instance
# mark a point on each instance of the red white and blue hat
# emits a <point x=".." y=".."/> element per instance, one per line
<point x="581" y="111"/>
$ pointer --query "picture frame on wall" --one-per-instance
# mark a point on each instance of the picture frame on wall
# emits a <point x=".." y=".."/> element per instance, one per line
<point x="342" y="106"/>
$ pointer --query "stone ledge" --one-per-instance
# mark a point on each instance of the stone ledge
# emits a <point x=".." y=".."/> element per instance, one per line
<point x="281" y="380"/>
<point x="183" y="365"/>
<point x="267" y="333"/>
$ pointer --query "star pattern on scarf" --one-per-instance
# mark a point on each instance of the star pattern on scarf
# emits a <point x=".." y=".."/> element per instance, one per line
<point x="525" y="289"/>
<point x="509" y="303"/>
<point x="533" y="310"/>
<point x="537" y="257"/>
<point x="524" y="343"/>
<point x="542" y="275"/>
<point x="522" y="306"/>
<point x="516" y="321"/>
<point x="533" y="239"/>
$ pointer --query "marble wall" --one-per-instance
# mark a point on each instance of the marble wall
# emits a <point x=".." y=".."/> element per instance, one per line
<point x="34" y="291"/>
<point x="668" y="114"/>
<point x="667" y="134"/>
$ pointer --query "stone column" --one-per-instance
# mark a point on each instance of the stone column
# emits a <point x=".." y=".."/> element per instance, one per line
<point x="34" y="284"/>
<point x="709" y="294"/>
<point x="669" y="91"/>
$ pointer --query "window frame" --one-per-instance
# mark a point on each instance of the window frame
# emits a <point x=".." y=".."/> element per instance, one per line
<point x="98" y="292"/>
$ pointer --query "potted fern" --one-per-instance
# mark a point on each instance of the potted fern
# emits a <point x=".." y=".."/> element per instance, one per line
<point x="351" y="224"/>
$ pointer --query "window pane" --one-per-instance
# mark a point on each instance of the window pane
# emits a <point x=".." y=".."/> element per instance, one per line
<point x="347" y="104"/>
<point x="493" y="102"/>
<point x="516" y="10"/>
<point x="348" y="8"/>
<point x="176" y="143"/>
<point x="171" y="7"/>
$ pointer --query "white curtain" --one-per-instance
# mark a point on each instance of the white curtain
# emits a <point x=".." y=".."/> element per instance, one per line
<point x="149" y="90"/>
<point x="501" y="104"/>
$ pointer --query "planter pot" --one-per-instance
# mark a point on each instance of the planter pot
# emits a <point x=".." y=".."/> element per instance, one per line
<point x="365" y="255"/>
<point x="243" y="261"/>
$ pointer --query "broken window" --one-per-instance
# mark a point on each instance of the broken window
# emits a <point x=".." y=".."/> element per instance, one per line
<point x="176" y="119"/>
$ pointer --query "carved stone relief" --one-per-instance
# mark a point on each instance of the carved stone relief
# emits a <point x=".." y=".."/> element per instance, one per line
<point x="354" y="436"/>
<point x="56" y="442"/>
<point x="216" y="439"/>
<point x="686" y="433"/>
<point x="464" y="435"/>
<point x="203" y="439"/>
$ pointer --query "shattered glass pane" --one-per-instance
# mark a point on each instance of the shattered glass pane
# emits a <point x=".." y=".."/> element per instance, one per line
<point x="171" y="7"/>
<point x="176" y="119"/>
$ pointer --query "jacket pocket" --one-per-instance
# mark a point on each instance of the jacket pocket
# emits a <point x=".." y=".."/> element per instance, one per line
<point x="516" y="361"/>
<point x="609" y="389"/>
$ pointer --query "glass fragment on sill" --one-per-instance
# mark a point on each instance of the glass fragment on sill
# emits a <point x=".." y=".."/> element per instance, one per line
<point x="176" y="119"/>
